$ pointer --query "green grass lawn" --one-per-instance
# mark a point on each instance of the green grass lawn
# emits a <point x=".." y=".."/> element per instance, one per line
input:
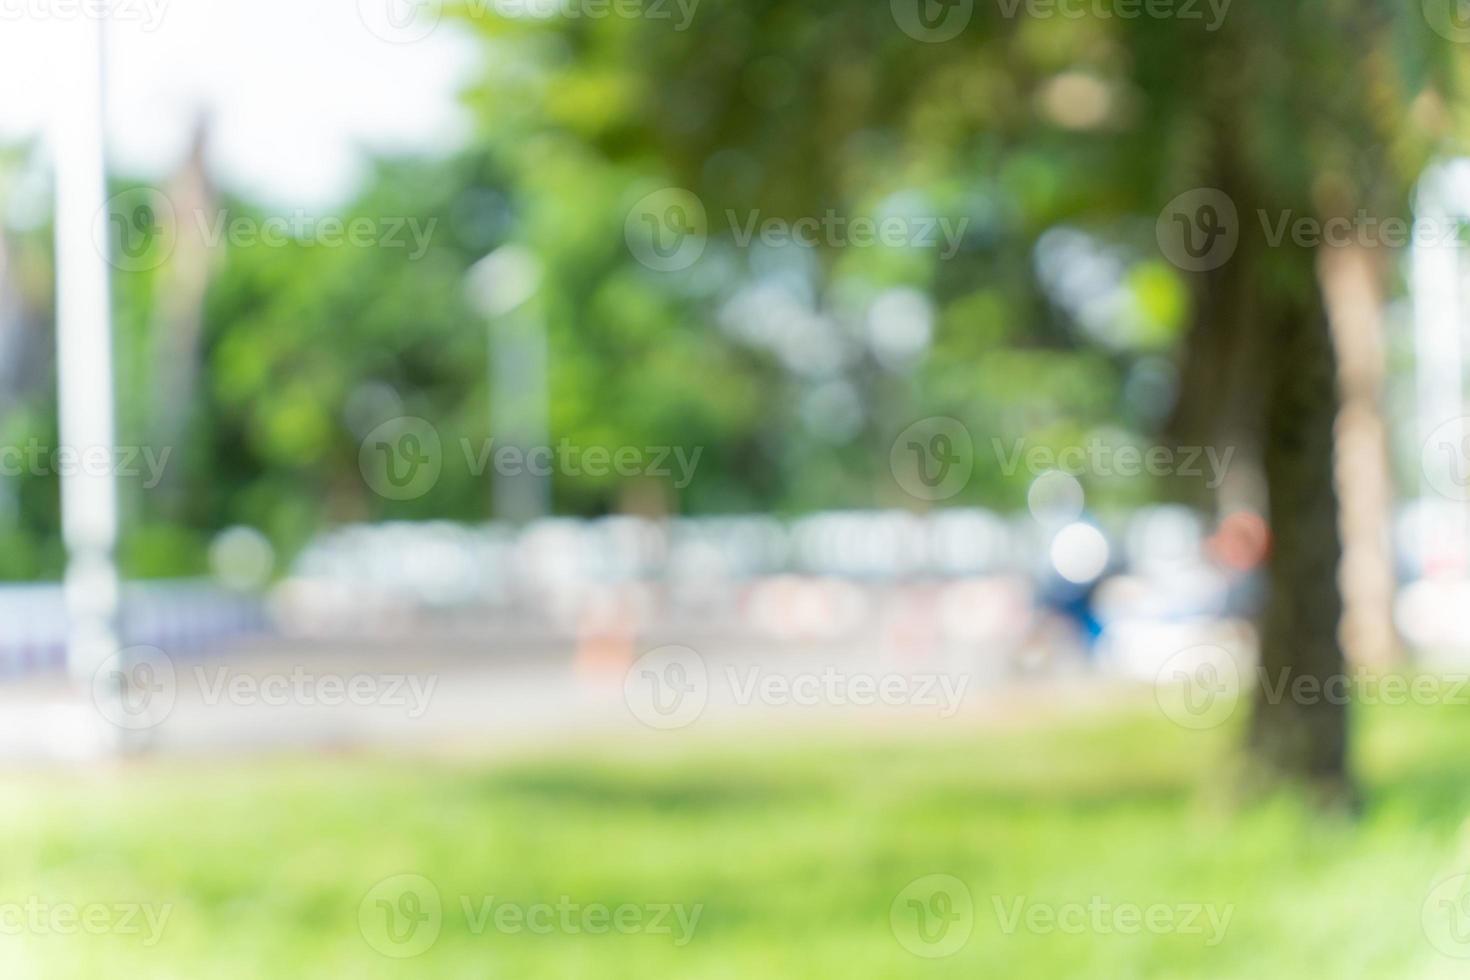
<point x="795" y="845"/>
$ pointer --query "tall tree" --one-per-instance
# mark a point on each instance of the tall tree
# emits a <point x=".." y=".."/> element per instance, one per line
<point x="1306" y="118"/>
<point x="1297" y="109"/>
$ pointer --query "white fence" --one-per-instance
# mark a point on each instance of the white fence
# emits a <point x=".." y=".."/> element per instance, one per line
<point x="171" y="615"/>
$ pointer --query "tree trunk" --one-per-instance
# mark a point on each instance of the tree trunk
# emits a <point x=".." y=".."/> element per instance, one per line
<point x="1352" y="284"/>
<point x="1260" y="375"/>
<point x="179" y="327"/>
<point x="1297" y="732"/>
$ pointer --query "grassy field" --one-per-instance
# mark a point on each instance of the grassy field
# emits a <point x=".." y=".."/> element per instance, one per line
<point x="806" y="854"/>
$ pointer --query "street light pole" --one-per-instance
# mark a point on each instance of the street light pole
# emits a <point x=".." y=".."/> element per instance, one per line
<point x="1440" y="305"/>
<point x="504" y="287"/>
<point x="84" y="352"/>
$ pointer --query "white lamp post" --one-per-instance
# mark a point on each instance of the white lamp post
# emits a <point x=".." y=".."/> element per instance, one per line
<point x="503" y="285"/>
<point x="84" y="352"/>
<point x="1440" y="303"/>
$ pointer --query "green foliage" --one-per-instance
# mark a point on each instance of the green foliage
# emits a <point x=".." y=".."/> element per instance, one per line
<point x="1017" y="130"/>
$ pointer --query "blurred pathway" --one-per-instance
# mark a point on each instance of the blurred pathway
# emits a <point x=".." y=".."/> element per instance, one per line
<point x="454" y="696"/>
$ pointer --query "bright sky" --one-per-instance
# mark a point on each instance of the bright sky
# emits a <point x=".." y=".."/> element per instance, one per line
<point x="297" y="89"/>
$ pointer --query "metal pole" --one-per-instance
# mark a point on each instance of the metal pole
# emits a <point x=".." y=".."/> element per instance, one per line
<point x="84" y="353"/>
<point x="504" y="285"/>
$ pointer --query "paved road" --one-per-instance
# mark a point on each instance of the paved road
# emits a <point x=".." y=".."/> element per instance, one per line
<point x="456" y="692"/>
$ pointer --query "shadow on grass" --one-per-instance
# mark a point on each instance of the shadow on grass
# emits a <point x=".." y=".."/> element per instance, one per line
<point x="663" y="791"/>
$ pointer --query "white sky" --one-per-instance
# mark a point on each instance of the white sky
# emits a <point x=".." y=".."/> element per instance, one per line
<point x="297" y="89"/>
